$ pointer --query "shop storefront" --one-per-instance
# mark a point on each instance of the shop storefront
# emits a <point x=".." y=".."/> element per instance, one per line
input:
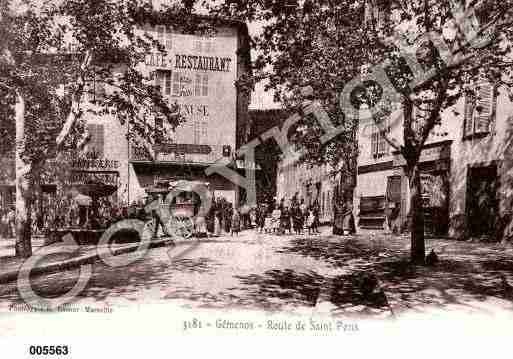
<point x="198" y="73"/>
<point x="434" y="165"/>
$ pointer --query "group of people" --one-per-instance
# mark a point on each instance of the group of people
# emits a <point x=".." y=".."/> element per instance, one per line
<point x="54" y="213"/>
<point x="7" y="222"/>
<point x="283" y="218"/>
<point x="223" y="217"/>
<point x="299" y="218"/>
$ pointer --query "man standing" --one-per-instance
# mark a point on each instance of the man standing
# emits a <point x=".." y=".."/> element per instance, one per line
<point x="11" y="222"/>
<point x="157" y="221"/>
<point x="316" y="212"/>
<point x="235" y="221"/>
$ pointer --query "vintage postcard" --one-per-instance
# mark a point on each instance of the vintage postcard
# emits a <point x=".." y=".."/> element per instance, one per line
<point x="297" y="169"/>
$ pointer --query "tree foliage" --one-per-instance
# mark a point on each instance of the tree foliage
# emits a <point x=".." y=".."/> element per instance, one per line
<point x="327" y="44"/>
<point x="53" y="58"/>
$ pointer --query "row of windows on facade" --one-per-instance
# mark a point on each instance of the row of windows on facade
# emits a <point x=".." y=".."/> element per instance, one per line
<point x="479" y="114"/>
<point x="204" y="45"/>
<point x="96" y="143"/>
<point x="171" y="83"/>
<point x="201" y="45"/>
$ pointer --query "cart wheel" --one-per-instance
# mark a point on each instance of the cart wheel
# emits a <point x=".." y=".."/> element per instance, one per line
<point x="148" y="231"/>
<point x="182" y="227"/>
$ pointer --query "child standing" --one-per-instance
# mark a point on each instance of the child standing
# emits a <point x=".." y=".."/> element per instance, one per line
<point x="235" y="225"/>
<point x="310" y="221"/>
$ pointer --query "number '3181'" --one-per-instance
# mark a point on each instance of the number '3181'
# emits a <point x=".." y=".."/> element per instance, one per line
<point x="48" y="350"/>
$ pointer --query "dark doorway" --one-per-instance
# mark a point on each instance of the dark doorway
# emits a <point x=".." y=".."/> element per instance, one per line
<point x="482" y="201"/>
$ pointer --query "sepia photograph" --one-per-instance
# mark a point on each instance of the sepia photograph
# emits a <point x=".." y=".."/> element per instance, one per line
<point x="254" y="167"/>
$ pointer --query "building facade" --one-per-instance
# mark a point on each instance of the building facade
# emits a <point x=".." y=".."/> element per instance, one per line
<point x="313" y="184"/>
<point x="198" y="73"/>
<point x="466" y="171"/>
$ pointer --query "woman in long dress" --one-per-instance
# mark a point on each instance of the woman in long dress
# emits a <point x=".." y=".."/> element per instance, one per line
<point x="235" y="225"/>
<point x="285" y="220"/>
<point x="276" y="215"/>
<point x="296" y="218"/>
<point x="217" y="224"/>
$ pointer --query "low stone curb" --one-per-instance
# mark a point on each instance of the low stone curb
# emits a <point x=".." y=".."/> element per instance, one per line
<point x="68" y="264"/>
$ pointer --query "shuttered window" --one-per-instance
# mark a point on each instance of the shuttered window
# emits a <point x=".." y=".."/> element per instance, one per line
<point x="204" y="45"/>
<point x="376" y="13"/>
<point x="394" y="189"/>
<point x="197" y="85"/>
<point x="204" y="87"/>
<point x="163" y="79"/>
<point x="479" y="109"/>
<point x="96" y="141"/>
<point x="164" y="36"/>
<point x="379" y="145"/>
<point x="197" y="46"/>
<point x="176" y="84"/>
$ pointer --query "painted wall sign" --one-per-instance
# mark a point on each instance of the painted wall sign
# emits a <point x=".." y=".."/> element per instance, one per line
<point x="101" y="163"/>
<point x="200" y="79"/>
<point x="190" y="62"/>
<point x="157" y="60"/>
<point x="85" y="177"/>
<point x="183" y="148"/>
<point x="428" y="154"/>
<point x="202" y="63"/>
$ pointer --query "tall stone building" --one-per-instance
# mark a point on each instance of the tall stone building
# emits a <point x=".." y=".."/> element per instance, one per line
<point x="199" y="73"/>
<point x="466" y="172"/>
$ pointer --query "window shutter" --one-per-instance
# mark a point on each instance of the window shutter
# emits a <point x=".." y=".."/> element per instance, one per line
<point x="393" y="191"/>
<point x="484" y="108"/>
<point x="161" y="32"/>
<point x="169" y="41"/>
<point x="101" y="140"/>
<point x="176" y="83"/>
<point x="197" y="45"/>
<point x="166" y="78"/>
<point x="197" y="86"/>
<point x="382" y="142"/>
<point x="469" y="120"/>
<point x="374" y="142"/>
<point x="96" y="143"/>
<point x="205" y="85"/>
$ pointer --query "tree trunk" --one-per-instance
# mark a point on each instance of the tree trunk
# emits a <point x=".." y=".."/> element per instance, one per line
<point x="418" y="249"/>
<point x="23" y="245"/>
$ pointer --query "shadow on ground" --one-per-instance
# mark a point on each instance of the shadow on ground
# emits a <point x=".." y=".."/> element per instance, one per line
<point x="466" y="274"/>
<point x="377" y="276"/>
